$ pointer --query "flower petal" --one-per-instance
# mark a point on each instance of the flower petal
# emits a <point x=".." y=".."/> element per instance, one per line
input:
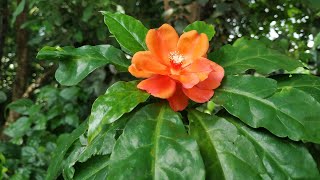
<point x="214" y="79"/>
<point x="201" y="66"/>
<point x="193" y="45"/>
<point x="178" y="101"/>
<point x="162" y="41"/>
<point x="188" y="80"/>
<point x="198" y="95"/>
<point x="147" y="62"/>
<point x="138" y="73"/>
<point x="158" y="86"/>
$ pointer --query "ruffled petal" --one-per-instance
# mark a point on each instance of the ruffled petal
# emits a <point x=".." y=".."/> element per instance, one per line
<point x="138" y="73"/>
<point x="178" y="101"/>
<point x="198" y="95"/>
<point x="158" y="86"/>
<point x="147" y="62"/>
<point x="201" y="66"/>
<point x="162" y="41"/>
<point x="214" y="79"/>
<point x="192" y="45"/>
<point x="188" y="80"/>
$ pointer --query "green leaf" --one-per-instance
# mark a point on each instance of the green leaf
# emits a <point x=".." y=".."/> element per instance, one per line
<point x="18" y="129"/>
<point x="3" y="97"/>
<point x="87" y="13"/>
<point x="289" y="112"/>
<point x="95" y="168"/>
<point x="129" y="32"/>
<point x="120" y="98"/>
<point x="307" y="83"/>
<point x="20" y="106"/>
<point x="18" y="11"/>
<point x="231" y="149"/>
<point x="101" y="145"/>
<point x="201" y="27"/>
<point x="317" y="38"/>
<point x="76" y="63"/>
<point x="237" y="59"/>
<point x="69" y="93"/>
<point x="64" y="143"/>
<point x="155" y="145"/>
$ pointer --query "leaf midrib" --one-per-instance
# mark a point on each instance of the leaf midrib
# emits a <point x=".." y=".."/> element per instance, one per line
<point x="261" y="56"/>
<point x="211" y="140"/>
<point x="261" y="147"/>
<point x="264" y="101"/>
<point x="159" y="121"/>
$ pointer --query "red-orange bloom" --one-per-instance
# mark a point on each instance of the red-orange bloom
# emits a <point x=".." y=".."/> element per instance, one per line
<point x="176" y="68"/>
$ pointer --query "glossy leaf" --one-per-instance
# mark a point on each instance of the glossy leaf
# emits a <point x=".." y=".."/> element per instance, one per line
<point x="129" y="32"/>
<point x="201" y="27"/>
<point x="64" y="143"/>
<point x="237" y="59"/>
<point x="76" y="63"/>
<point x="95" y="168"/>
<point x="101" y="145"/>
<point x="120" y="98"/>
<point x="307" y="83"/>
<point x="251" y="99"/>
<point x="155" y="145"/>
<point x="232" y="150"/>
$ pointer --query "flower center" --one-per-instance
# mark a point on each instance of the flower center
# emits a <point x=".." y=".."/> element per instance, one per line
<point x="176" y="58"/>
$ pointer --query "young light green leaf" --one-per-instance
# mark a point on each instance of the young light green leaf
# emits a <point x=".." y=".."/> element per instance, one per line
<point x="201" y="27"/>
<point x="129" y="32"/>
<point x="307" y="83"/>
<point x="283" y="113"/>
<point x="237" y="59"/>
<point x="76" y="63"/>
<point x="120" y="98"/>
<point x="155" y="145"/>
<point x="231" y="149"/>
<point x="18" y="11"/>
<point x="64" y="143"/>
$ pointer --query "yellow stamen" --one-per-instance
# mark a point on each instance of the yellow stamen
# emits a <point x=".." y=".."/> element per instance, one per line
<point x="176" y="57"/>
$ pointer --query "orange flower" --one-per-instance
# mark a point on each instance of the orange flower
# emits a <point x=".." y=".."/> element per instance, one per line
<point x="176" y="68"/>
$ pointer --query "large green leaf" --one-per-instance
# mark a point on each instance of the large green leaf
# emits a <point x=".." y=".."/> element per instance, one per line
<point x="64" y="143"/>
<point x="237" y="59"/>
<point x="76" y="63"/>
<point x="120" y="98"/>
<point x="307" y="83"/>
<point x="95" y="168"/>
<point x="201" y="27"/>
<point x="129" y="32"/>
<point x="155" y="145"/>
<point x="289" y="112"/>
<point x="232" y="150"/>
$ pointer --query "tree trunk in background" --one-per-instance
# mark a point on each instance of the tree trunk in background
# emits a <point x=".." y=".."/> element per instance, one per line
<point x="3" y="25"/>
<point x="21" y="79"/>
